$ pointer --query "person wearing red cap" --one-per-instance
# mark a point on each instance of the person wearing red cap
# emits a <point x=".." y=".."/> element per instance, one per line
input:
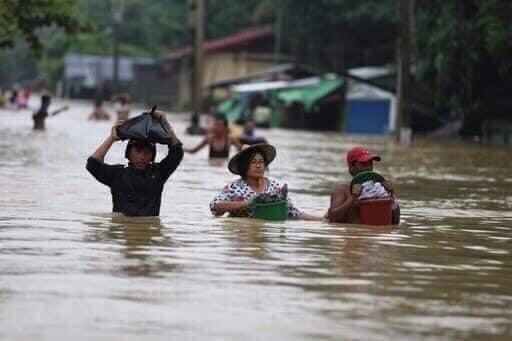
<point x="343" y="208"/>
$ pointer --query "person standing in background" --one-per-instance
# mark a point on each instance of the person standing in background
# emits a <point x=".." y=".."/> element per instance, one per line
<point x="122" y="107"/>
<point x="40" y="115"/>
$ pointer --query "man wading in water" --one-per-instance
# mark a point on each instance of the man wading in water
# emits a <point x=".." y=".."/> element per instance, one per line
<point x="40" y="115"/>
<point x="137" y="188"/>
<point x="344" y="203"/>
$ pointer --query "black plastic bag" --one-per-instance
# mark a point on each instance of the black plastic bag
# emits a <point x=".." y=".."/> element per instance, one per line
<point x="145" y="127"/>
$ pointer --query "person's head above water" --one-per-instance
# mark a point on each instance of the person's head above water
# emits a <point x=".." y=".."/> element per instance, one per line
<point x="220" y="124"/>
<point x="252" y="161"/>
<point x="122" y="99"/>
<point x="140" y="153"/>
<point x="360" y="159"/>
<point x="249" y="126"/>
<point x="45" y="101"/>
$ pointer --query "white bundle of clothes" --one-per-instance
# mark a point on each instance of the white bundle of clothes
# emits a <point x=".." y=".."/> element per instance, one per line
<point x="373" y="190"/>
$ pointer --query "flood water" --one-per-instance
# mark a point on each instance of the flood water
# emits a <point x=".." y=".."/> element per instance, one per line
<point x="68" y="269"/>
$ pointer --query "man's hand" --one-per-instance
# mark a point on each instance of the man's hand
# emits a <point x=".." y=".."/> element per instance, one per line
<point x="159" y="115"/>
<point x="356" y="190"/>
<point x="162" y="117"/>
<point x="113" y="131"/>
<point x="388" y="185"/>
<point x="102" y="150"/>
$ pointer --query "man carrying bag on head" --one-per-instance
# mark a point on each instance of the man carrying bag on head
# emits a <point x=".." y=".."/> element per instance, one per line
<point x="137" y="188"/>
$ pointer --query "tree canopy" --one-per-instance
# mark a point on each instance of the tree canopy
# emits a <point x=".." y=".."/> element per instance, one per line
<point x="461" y="49"/>
<point x="23" y="19"/>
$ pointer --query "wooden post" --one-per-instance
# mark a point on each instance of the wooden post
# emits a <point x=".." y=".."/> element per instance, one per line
<point x="196" y="8"/>
<point x="115" y="56"/>
<point x="277" y="34"/>
<point x="403" y="76"/>
<point x="117" y="8"/>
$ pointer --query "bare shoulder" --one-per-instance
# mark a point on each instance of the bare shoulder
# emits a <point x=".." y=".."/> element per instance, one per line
<point x="234" y="140"/>
<point x="339" y="188"/>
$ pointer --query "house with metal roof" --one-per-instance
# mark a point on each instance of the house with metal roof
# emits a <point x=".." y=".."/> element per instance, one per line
<point x="235" y="56"/>
<point x="370" y="106"/>
<point x="85" y="75"/>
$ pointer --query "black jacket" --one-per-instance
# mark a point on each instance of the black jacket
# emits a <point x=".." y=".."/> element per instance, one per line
<point x="135" y="192"/>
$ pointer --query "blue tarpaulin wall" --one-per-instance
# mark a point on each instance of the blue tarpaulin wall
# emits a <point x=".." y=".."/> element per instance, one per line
<point x="367" y="116"/>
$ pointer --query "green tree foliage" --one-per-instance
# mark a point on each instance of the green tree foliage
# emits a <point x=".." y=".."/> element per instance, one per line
<point x="461" y="49"/>
<point x="17" y="64"/>
<point x="224" y="17"/>
<point x="335" y="35"/>
<point x="147" y="28"/>
<point x="464" y="53"/>
<point x="328" y="34"/>
<point x="23" y="19"/>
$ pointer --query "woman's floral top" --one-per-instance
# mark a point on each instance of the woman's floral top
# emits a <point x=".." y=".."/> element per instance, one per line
<point x="239" y="190"/>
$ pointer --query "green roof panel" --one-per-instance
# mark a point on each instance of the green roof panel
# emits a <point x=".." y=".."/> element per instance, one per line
<point x="311" y="94"/>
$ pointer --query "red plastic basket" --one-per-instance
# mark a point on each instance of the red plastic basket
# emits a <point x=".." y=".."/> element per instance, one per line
<point x="376" y="211"/>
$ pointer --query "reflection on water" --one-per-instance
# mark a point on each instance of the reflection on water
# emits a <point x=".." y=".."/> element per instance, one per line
<point x="72" y="269"/>
<point x="136" y="236"/>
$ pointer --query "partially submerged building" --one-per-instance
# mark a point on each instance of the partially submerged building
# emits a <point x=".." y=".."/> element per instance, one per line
<point x="89" y="76"/>
<point x="236" y="56"/>
<point x="309" y="103"/>
<point x="370" y="106"/>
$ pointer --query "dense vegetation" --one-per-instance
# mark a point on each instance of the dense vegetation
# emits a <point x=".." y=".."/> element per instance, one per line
<point x="461" y="49"/>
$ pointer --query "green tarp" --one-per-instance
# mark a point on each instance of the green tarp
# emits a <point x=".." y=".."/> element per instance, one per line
<point x="230" y="108"/>
<point x="307" y="95"/>
<point x="310" y="95"/>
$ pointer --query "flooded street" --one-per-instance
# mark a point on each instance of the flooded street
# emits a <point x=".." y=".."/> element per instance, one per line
<point x="71" y="270"/>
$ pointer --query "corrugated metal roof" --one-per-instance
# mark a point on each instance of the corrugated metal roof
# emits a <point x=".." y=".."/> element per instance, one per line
<point x="310" y="95"/>
<point x="236" y="40"/>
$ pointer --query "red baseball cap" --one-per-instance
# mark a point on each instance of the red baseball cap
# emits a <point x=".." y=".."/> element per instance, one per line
<point x="361" y="154"/>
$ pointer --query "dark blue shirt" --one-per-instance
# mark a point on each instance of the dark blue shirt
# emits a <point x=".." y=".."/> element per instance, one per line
<point x="137" y="192"/>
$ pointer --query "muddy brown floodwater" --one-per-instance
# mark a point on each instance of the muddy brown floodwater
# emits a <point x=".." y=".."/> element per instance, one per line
<point x="68" y="269"/>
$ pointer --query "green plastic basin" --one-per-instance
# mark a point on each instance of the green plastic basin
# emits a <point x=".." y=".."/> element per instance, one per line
<point x="277" y="210"/>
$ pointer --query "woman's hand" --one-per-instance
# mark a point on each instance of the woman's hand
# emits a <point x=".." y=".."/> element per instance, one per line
<point x="246" y="203"/>
<point x="162" y="117"/>
<point x="231" y="206"/>
<point x="102" y="150"/>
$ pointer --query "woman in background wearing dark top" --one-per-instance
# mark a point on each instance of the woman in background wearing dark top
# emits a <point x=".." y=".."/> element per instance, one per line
<point x="218" y="140"/>
<point x="136" y="188"/>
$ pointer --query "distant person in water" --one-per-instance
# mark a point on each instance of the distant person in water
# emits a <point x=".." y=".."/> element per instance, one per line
<point x="23" y="98"/>
<point x="98" y="113"/>
<point x="40" y="115"/>
<point x="13" y="98"/>
<point x="218" y="140"/>
<point x="3" y="98"/>
<point x="137" y="188"/>
<point x="122" y="107"/>
<point x="344" y="201"/>
<point x="249" y="133"/>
